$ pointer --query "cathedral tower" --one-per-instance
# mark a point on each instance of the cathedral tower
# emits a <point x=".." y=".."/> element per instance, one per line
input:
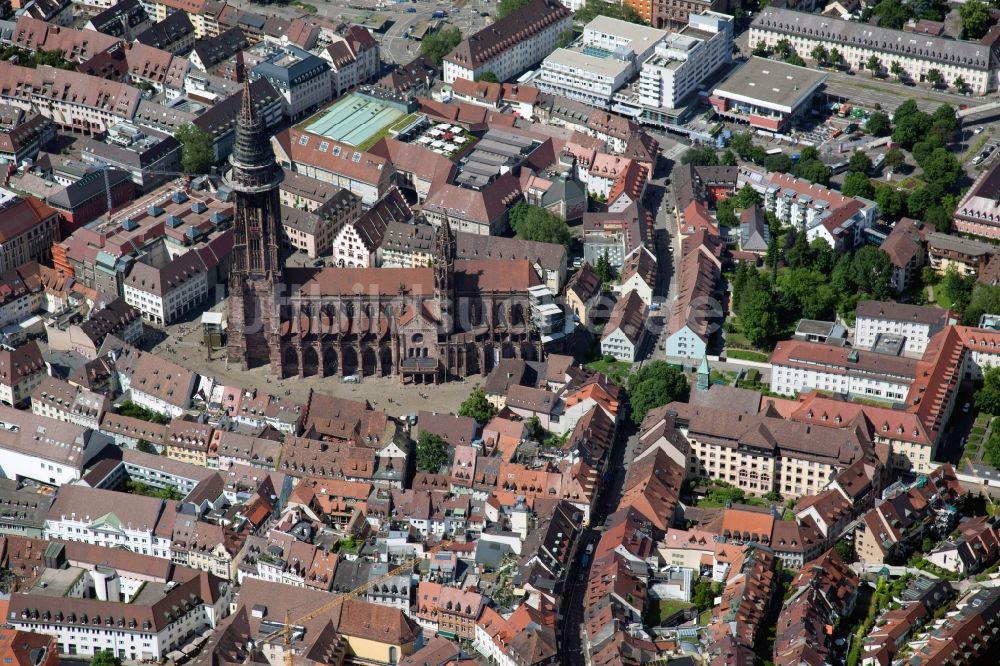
<point x="254" y="177"/>
<point x="444" y="273"/>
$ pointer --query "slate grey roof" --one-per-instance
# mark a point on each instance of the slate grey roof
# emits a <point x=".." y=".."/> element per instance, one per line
<point x="862" y="35"/>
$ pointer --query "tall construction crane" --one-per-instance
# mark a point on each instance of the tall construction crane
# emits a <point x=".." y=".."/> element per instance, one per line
<point x="286" y="629"/>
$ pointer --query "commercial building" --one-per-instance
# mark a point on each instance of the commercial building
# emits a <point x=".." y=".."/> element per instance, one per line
<point x="602" y="60"/>
<point x="301" y="78"/>
<point x="161" y="386"/>
<point x="23" y="134"/>
<point x="45" y="450"/>
<point x="354" y="59"/>
<point x="767" y="94"/>
<point x="682" y="62"/>
<point x="510" y="45"/>
<point x="857" y="42"/>
<point x="60" y="400"/>
<point x="90" y="610"/>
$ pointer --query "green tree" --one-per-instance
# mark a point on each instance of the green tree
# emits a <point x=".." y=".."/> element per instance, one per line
<point x="985" y="299"/>
<point x="146" y="447"/>
<point x="897" y="70"/>
<point x="654" y="385"/>
<point x="704" y="156"/>
<point x="878" y="124"/>
<point x="761" y="49"/>
<point x="535" y="223"/>
<point x="795" y="59"/>
<point x="934" y="76"/>
<point x="960" y="84"/>
<point x="489" y="77"/>
<point x="432" y="452"/>
<point x="812" y="170"/>
<point x="893" y="14"/>
<point x="938" y="217"/>
<point x="105" y="658"/>
<point x="477" y="407"/>
<point x="747" y="197"/>
<point x="704" y="594"/>
<point x="942" y="169"/>
<point x="976" y="17"/>
<point x="859" y="163"/>
<point x="856" y="184"/>
<point x="919" y="201"/>
<point x="783" y="48"/>
<point x="988" y="397"/>
<point x="440" y="44"/>
<point x="808" y="292"/>
<point x="564" y="39"/>
<point x="835" y="57"/>
<point x="845" y="550"/>
<point x="605" y="270"/>
<point x="910" y="129"/>
<point x="196" y="148"/>
<point x="956" y="288"/>
<point x="872" y="271"/>
<point x="904" y="110"/>
<point x="894" y="158"/>
<point x="820" y="54"/>
<point x="891" y="202"/>
<point x="507" y="7"/>
<point x="758" y="319"/>
<point x="874" y="65"/>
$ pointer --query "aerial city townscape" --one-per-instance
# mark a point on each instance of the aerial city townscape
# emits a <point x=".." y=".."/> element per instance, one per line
<point x="500" y="332"/>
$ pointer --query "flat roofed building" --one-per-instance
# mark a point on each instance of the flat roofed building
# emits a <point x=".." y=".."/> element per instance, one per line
<point x="302" y="79"/>
<point x="767" y="94"/>
<point x="916" y="53"/>
<point x="683" y="60"/>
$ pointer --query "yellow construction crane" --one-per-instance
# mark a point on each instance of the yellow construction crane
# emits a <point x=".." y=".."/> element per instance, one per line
<point x="286" y="629"/>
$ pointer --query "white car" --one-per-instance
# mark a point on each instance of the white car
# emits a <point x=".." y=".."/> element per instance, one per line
<point x="978" y="130"/>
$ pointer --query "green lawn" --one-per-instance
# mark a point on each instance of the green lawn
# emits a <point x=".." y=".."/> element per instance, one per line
<point x="746" y="355"/>
<point x="657" y="611"/>
<point x="705" y="618"/>
<point x="616" y="371"/>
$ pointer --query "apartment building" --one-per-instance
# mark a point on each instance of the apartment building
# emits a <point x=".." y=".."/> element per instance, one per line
<point x="353" y="58"/>
<point x="87" y="104"/>
<point x="820" y="211"/>
<point x="799" y="366"/>
<point x="907" y="253"/>
<point x="22" y="369"/>
<point x="625" y="332"/>
<point x="111" y="519"/>
<point x="162" y="386"/>
<point x="683" y="60"/>
<point x="967" y="256"/>
<point x="28" y="228"/>
<point x="58" y="399"/>
<point x="916" y="53"/>
<point x="915" y="323"/>
<point x="510" y="45"/>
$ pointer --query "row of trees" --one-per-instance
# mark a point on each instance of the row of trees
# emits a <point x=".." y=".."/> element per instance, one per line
<point x="741" y="145"/>
<point x="436" y="46"/>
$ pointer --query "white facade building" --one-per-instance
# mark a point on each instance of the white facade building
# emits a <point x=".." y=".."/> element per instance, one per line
<point x="798" y="366"/>
<point x="917" y="324"/>
<point x="916" y="53"/>
<point x="685" y="59"/>
<point x="605" y="58"/>
<point x="301" y="78"/>
<point x="43" y="449"/>
<point x="102" y="518"/>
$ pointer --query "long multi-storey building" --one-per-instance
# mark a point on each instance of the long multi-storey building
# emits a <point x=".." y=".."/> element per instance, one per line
<point x="799" y="366"/>
<point x="511" y="45"/>
<point x="916" y="53"/>
<point x="915" y="323"/>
